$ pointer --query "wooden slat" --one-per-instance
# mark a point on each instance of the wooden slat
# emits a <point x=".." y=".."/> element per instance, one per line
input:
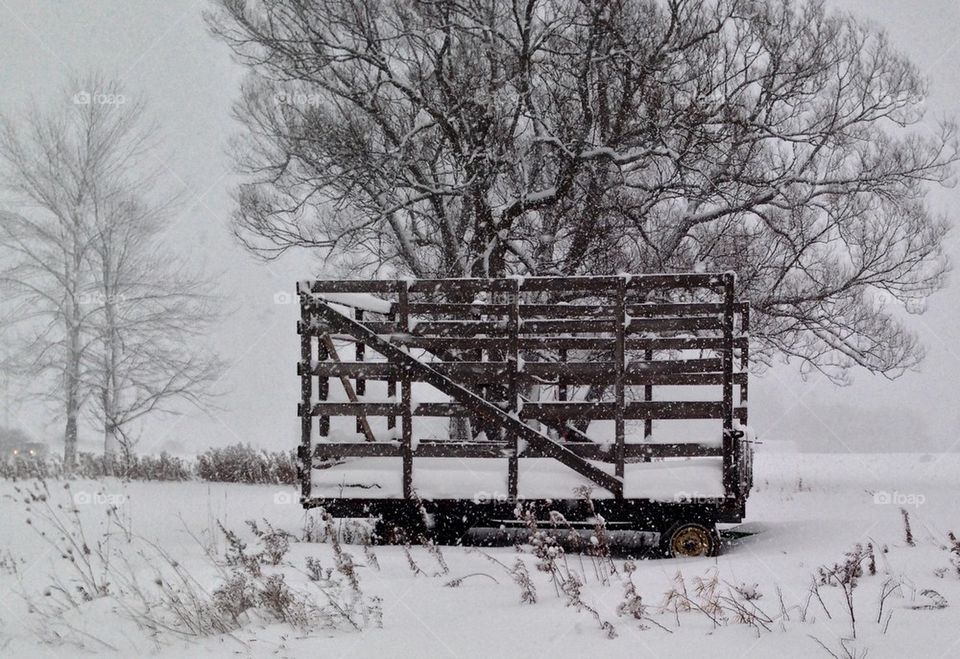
<point x="325" y="408"/>
<point x="532" y="284"/>
<point x="540" y="310"/>
<point x="681" y="343"/>
<point x="440" y="409"/>
<point x="392" y="380"/>
<point x="448" y="449"/>
<point x="352" y="286"/>
<point x="607" y="369"/>
<point x="466" y="328"/>
<point x="619" y="360"/>
<point x="359" y="385"/>
<point x="406" y="395"/>
<point x="730" y="458"/>
<point x="637" y="410"/>
<point x="444" y="328"/>
<point x="323" y="390"/>
<point x="682" y="309"/>
<point x="648" y="381"/>
<point x="631" y="282"/>
<point x="380" y="370"/>
<point x="513" y="392"/>
<point x="541" y="411"/>
<point x="306" y="421"/>
<point x="385" y="370"/>
<point x="466" y="286"/>
<point x="357" y="450"/>
<point x="744" y="362"/>
<point x="592" y="325"/>
<point x="441" y="344"/>
<point x="368" y="370"/>
<point x="532" y="311"/>
<point x="687" y="324"/>
<point x="458" y="309"/>
<point x="570" y="373"/>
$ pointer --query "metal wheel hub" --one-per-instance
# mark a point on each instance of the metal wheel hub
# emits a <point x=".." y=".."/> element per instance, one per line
<point x="691" y="541"/>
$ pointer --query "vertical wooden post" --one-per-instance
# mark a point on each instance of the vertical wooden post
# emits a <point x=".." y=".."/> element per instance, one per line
<point x="619" y="358"/>
<point x="305" y="453"/>
<point x="392" y="383"/>
<point x="323" y="388"/>
<point x="647" y="397"/>
<point x="562" y="390"/>
<point x="406" y="394"/>
<point x="360" y="385"/>
<point x="513" y="389"/>
<point x="744" y="359"/>
<point x="730" y="461"/>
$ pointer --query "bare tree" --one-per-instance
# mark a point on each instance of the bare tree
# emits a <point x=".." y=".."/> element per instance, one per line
<point x="150" y="311"/>
<point x="101" y="306"/>
<point x="773" y="138"/>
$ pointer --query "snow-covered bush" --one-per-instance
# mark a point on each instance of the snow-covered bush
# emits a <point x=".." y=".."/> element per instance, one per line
<point x="243" y="464"/>
<point x="163" y="467"/>
<point x="233" y="464"/>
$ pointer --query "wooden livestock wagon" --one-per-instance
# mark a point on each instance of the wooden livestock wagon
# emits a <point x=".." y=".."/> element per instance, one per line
<point x="453" y="400"/>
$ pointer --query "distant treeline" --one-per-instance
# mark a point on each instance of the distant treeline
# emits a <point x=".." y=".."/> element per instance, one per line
<point x="234" y="464"/>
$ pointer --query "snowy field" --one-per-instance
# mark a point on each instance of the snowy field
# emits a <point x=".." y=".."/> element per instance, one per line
<point x="757" y="599"/>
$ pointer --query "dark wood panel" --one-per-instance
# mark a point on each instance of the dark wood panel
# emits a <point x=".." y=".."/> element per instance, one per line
<point x="606" y="410"/>
<point x="532" y="311"/>
<point x="349" y="286"/>
<point x="501" y="450"/>
<point x="686" y="324"/>
<point x="591" y="325"/>
<point x="540" y="411"/>
<point x="460" y="310"/>
<point x="572" y="373"/>
<point x="467" y="328"/>
<point x="439" y="344"/>
<point x="505" y="285"/>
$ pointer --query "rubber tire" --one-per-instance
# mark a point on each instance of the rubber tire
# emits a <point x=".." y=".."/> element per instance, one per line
<point x="709" y="530"/>
<point x="400" y="530"/>
<point x="450" y="528"/>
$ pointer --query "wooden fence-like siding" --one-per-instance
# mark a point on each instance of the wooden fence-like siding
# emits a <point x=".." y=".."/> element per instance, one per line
<point x="595" y="348"/>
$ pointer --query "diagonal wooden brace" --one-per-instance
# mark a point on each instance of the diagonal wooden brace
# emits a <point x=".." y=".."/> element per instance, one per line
<point x="478" y="406"/>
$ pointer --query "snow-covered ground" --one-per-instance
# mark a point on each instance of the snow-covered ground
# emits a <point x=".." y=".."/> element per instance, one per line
<point x="807" y="511"/>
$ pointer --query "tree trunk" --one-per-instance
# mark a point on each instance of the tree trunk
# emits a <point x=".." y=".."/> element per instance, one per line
<point x="70" y="431"/>
<point x="111" y="359"/>
<point x="72" y="384"/>
<point x="111" y="445"/>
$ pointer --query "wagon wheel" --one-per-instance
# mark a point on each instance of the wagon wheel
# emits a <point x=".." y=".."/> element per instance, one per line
<point x="400" y="528"/>
<point x="451" y="528"/>
<point x="690" y="540"/>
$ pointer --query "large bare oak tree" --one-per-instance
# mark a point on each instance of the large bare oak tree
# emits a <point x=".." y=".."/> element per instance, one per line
<point x="483" y="137"/>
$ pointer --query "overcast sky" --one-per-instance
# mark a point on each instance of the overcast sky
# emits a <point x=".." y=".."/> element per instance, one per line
<point x="162" y="50"/>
